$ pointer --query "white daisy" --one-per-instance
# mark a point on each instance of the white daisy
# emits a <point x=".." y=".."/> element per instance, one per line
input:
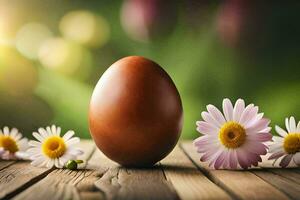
<point x="12" y="144"/>
<point x="287" y="144"/>
<point x="235" y="138"/>
<point x="51" y="149"/>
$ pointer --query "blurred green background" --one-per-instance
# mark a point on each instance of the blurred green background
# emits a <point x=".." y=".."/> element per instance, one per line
<point x="53" y="52"/>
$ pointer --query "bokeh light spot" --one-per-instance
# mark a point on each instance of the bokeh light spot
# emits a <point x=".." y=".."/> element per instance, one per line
<point x="18" y="76"/>
<point x="85" y="27"/>
<point x="30" y="38"/>
<point x="65" y="57"/>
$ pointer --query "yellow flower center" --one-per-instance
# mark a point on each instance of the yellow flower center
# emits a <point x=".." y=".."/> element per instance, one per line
<point x="8" y="143"/>
<point x="232" y="135"/>
<point x="54" y="147"/>
<point x="291" y="143"/>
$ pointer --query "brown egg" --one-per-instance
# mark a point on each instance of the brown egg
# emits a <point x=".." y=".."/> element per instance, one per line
<point x="135" y="114"/>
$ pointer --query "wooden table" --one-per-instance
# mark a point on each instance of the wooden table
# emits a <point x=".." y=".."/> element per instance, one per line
<point x="179" y="176"/>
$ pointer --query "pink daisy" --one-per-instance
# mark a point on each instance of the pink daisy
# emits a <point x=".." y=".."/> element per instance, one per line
<point x="233" y="139"/>
<point x="287" y="144"/>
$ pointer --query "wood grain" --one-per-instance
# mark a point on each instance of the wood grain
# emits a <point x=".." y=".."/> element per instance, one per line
<point x="188" y="181"/>
<point x="131" y="183"/>
<point x="179" y="176"/>
<point x="242" y="184"/>
<point x="5" y="163"/>
<point x="291" y="174"/>
<point x="60" y="183"/>
<point x="286" y="185"/>
<point x="18" y="176"/>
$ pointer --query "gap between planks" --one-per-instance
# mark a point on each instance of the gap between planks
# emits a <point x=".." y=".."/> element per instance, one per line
<point x="188" y="181"/>
<point x="18" y="176"/>
<point x="240" y="183"/>
<point x="102" y="179"/>
<point x="178" y="176"/>
<point x="4" y="164"/>
<point x="131" y="183"/>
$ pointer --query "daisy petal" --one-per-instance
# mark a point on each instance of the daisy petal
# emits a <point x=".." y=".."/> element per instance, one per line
<point x="253" y="159"/>
<point x="75" y="151"/>
<point x="233" y="159"/>
<point x="34" y="143"/>
<point x="226" y="160"/>
<point x="254" y="120"/>
<point x="43" y="164"/>
<point x="37" y="161"/>
<point x="22" y="155"/>
<point x="50" y="163"/>
<point x="242" y="158"/>
<point x="18" y="136"/>
<point x="255" y="147"/>
<point x="215" y="156"/>
<point x="280" y="131"/>
<point x="220" y="159"/>
<point x="57" y="164"/>
<point x="238" y="109"/>
<point x="23" y="144"/>
<point x="298" y="127"/>
<point x="14" y="132"/>
<point x="216" y="114"/>
<point x="266" y="130"/>
<point x="260" y="125"/>
<point x="275" y="148"/>
<point x="228" y="109"/>
<point x="33" y="150"/>
<point x="287" y="125"/>
<point x="205" y="140"/>
<point x="292" y="124"/>
<point x="34" y="156"/>
<point x="2" y="151"/>
<point x="6" y="130"/>
<point x="43" y="132"/>
<point x="286" y="160"/>
<point x="38" y="136"/>
<point x="248" y="114"/>
<point x="73" y="141"/>
<point x="53" y="129"/>
<point x="208" y="154"/>
<point x="206" y="147"/>
<point x="63" y="160"/>
<point x="278" y="139"/>
<point x="209" y="119"/>
<point x="48" y="129"/>
<point x="276" y="155"/>
<point x="297" y="158"/>
<point x="260" y="137"/>
<point x="68" y="135"/>
<point x="58" y="131"/>
<point x="206" y="128"/>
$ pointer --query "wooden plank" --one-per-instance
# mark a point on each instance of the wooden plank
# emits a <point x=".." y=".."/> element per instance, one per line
<point x="102" y="179"/>
<point x="88" y="146"/>
<point x="124" y="183"/>
<point x="240" y="183"/>
<point x="5" y="163"/>
<point x="19" y="176"/>
<point x="188" y="181"/>
<point x="290" y="187"/>
<point x="291" y="174"/>
<point x="287" y="180"/>
<point x="54" y="184"/>
<point x="61" y="184"/>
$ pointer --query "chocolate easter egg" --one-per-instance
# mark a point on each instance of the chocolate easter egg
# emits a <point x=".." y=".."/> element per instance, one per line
<point x="135" y="114"/>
